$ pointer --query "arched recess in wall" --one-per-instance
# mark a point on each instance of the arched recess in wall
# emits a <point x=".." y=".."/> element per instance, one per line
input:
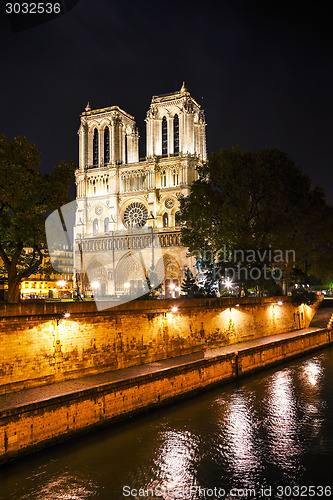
<point x="176" y="134"/>
<point x="106" y="145"/>
<point x="95" y="147"/>
<point x="130" y="270"/>
<point x="164" y="136"/>
<point x="165" y="219"/>
<point x="97" y="274"/>
<point x="177" y="219"/>
<point x="169" y="266"/>
<point x="106" y="225"/>
<point x="95" y="226"/>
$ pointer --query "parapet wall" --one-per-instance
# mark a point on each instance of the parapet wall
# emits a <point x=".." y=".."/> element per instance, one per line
<point x="36" y="348"/>
<point x="35" y="425"/>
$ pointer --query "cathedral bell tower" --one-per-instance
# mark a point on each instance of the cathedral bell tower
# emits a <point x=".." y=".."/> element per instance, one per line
<point x="175" y="125"/>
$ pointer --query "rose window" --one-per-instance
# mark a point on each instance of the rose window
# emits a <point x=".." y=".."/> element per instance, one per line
<point x="135" y="215"/>
<point x="169" y="203"/>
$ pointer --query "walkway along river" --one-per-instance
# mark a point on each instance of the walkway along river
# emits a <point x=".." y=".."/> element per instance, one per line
<point x="266" y="436"/>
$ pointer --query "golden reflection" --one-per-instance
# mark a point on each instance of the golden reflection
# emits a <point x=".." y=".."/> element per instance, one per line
<point x="312" y="372"/>
<point x="175" y="462"/>
<point x="283" y="428"/>
<point x="239" y="429"/>
<point x="65" y="487"/>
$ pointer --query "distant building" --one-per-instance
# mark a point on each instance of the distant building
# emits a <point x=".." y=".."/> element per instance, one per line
<point x="117" y="191"/>
<point x="47" y="282"/>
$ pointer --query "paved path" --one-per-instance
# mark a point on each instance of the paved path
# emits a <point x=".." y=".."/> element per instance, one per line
<point x="45" y="393"/>
<point x="323" y="315"/>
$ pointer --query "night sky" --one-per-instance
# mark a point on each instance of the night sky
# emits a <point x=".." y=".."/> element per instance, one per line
<point x="263" y="71"/>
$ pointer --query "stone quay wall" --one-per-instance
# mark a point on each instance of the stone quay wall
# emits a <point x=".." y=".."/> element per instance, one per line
<point x="37" y="425"/>
<point x="37" y="347"/>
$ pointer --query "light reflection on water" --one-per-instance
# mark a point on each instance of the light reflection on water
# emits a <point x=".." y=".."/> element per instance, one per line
<point x="272" y="428"/>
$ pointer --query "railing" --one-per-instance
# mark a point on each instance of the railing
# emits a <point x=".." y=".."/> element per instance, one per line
<point x="133" y="241"/>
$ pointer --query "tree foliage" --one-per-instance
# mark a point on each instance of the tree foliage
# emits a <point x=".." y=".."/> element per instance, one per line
<point x="189" y="286"/>
<point x="260" y="202"/>
<point x="26" y="197"/>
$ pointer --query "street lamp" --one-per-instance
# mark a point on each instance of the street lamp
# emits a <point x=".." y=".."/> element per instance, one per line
<point x="63" y="315"/>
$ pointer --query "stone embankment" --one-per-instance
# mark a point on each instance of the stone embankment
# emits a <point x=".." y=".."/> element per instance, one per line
<point x="38" y="416"/>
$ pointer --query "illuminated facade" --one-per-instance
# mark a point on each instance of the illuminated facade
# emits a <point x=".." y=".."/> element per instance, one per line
<point x="117" y="191"/>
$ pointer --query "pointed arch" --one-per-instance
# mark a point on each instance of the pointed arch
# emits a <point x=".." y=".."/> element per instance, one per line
<point x="106" y="145"/>
<point x="176" y="134"/>
<point x="164" y="136"/>
<point x="165" y="219"/>
<point x="95" y="147"/>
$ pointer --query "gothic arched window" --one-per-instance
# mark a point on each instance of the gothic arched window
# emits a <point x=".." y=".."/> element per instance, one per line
<point x="164" y="136"/>
<point x="177" y="219"/>
<point x="165" y="220"/>
<point x="95" y="147"/>
<point x="176" y="134"/>
<point x="175" y="177"/>
<point x="106" y="225"/>
<point x="163" y="179"/>
<point x="95" y="226"/>
<point x="106" y="145"/>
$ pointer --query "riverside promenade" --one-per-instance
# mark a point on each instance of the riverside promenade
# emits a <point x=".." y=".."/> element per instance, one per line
<point x="35" y="417"/>
<point x="71" y="387"/>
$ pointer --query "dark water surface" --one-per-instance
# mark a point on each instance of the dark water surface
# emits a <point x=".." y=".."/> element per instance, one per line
<point x="260" y="438"/>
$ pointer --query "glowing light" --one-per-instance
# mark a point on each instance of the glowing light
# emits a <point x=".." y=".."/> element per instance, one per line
<point x="127" y="285"/>
<point x="172" y="286"/>
<point x="312" y="372"/>
<point x="95" y="285"/>
<point x="280" y="303"/>
<point x="66" y="314"/>
<point x="177" y="289"/>
<point x="174" y="309"/>
<point x="228" y="283"/>
<point x="61" y="283"/>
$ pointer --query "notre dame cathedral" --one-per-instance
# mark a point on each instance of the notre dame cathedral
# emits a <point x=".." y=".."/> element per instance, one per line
<point x="117" y="191"/>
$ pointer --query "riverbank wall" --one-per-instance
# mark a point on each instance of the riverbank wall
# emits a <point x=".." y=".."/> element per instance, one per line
<point x="38" y="346"/>
<point x="29" y="427"/>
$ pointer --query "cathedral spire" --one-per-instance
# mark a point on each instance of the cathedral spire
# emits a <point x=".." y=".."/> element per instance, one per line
<point x="88" y="108"/>
<point x="183" y="90"/>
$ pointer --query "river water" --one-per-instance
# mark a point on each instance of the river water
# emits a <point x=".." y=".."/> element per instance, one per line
<point x="267" y="436"/>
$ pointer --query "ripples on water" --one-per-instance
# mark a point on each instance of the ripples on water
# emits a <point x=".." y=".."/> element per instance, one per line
<point x="272" y="428"/>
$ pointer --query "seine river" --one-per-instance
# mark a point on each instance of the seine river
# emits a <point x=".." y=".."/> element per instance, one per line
<point x="268" y="436"/>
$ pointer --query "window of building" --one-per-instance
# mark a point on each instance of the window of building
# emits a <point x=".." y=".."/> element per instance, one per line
<point x="176" y="134"/>
<point x="163" y="179"/>
<point x="164" y="136"/>
<point x="106" y="225"/>
<point x="126" y="149"/>
<point x="106" y="145"/>
<point x="175" y="177"/>
<point x="165" y="220"/>
<point x="95" y="226"/>
<point x="95" y="147"/>
<point x="177" y="219"/>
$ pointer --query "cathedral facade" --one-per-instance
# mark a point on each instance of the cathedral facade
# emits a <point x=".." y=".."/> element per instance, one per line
<point x="118" y="192"/>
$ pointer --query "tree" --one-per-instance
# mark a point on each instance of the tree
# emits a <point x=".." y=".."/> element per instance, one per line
<point x="189" y="286"/>
<point x="26" y="197"/>
<point x="257" y="213"/>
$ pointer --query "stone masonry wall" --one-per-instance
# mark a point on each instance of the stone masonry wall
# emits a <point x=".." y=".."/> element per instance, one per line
<point x="37" y="348"/>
